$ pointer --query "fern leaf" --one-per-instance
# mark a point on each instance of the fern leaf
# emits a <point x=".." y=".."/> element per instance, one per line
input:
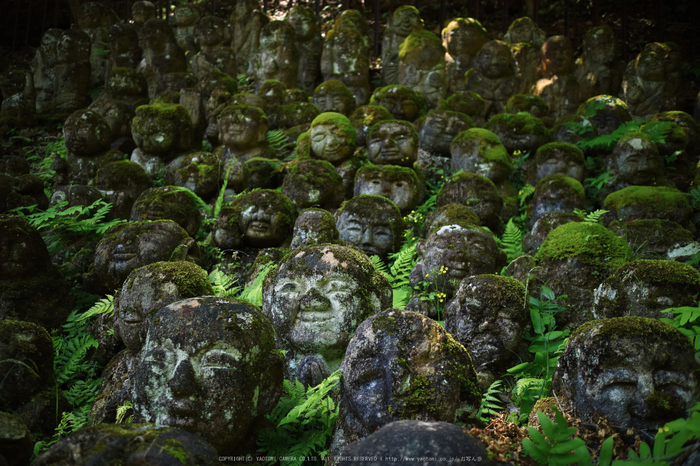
<point x="103" y="306"/>
<point x="512" y="240"/>
<point x="253" y="293"/>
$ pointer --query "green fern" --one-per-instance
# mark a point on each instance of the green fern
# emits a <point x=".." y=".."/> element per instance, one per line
<point x="512" y="240"/>
<point x="400" y="271"/>
<point x="304" y="421"/>
<point x="279" y="142"/>
<point x="684" y="323"/>
<point x="591" y="217"/>
<point x="490" y="404"/>
<point x="556" y="445"/>
<point x="223" y="284"/>
<point x="103" y="306"/>
<point x="253" y="293"/>
<point x="200" y="202"/>
<point x="122" y="412"/>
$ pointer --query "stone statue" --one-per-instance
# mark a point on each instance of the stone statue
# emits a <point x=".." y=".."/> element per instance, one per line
<point x="333" y="96"/>
<point x="278" y="56"/>
<point x="392" y="143"/>
<point x="247" y="20"/>
<point x="599" y="70"/>
<point x="494" y="77"/>
<point x="213" y="37"/>
<point x="462" y="39"/>
<point x="401" y="185"/>
<point x="314" y="226"/>
<point x="422" y="66"/>
<point x="558" y="86"/>
<point x="310" y="45"/>
<point x="403" y="102"/>
<point x="405" y="20"/>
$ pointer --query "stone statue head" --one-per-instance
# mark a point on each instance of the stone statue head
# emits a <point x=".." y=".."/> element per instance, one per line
<point x="314" y="226"/>
<point x="208" y="366"/>
<point x="86" y="132"/>
<point x="463" y="36"/>
<point x="401" y="185"/>
<point x="636" y="160"/>
<point x="392" y="143"/>
<point x="242" y="127"/>
<point x="334" y="96"/>
<point x="162" y="128"/>
<point x="371" y="223"/>
<point x="405" y="20"/>
<point x="364" y="117"/>
<point x="476" y="192"/>
<point x="494" y="60"/>
<point x="439" y="127"/>
<point x="639" y="372"/>
<point x="402" y="102"/>
<point x="480" y="151"/>
<point x="560" y="158"/>
<point x="557" y="56"/>
<point x="332" y="137"/>
<point x="304" y="21"/>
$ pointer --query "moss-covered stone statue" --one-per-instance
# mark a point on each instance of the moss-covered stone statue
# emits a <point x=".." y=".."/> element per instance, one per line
<point x="557" y="86"/>
<point x="145" y="291"/>
<point x="556" y="193"/>
<point x="422" y="66"/>
<point x="95" y="19"/>
<point x="128" y="246"/>
<point x="131" y="444"/>
<point x="206" y="362"/>
<point x="371" y="223"/>
<point x="213" y="37"/>
<point x="651" y="80"/>
<point x="449" y="214"/>
<point x="161" y="53"/>
<point x="71" y="72"/>
<point x="404" y="186"/>
<point x="468" y="102"/>
<point x="314" y="226"/>
<point x="310" y="44"/>
<point x="488" y="316"/>
<point x="31" y="287"/>
<point x="439" y="127"/>
<point x="364" y="117"/>
<point x="480" y="151"/>
<point x="313" y="182"/>
<point x="639" y="372"/>
<point x="519" y="132"/>
<point x="405" y="20"/>
<point x="120" y="184"/>
<point x="345" y="54"/>
<point x="161" y="133"/>
<point x="599" y="69"/>
<point x="559" y="158"/>
<point x="392" y="142"/>
<point x="494" y="76"/>
<point x="401" y="365"/>
<point x="316" y="299"/>
<point x="19" y="99"/>
<point x="573" y="260"/>
<point x="200" y="173"/>
<point x="260" y="219"/>
<point x="646" y="288"/>
<point x="605" y="112"/>
<point x="168" y="203"/>
<point x="334" y="96"/>
<point x="278" y="57"/>
<point x="402" y="102"/>
<point x="476" y="192"/>
<point x="649" y="202"/>
<point x="635" y="161"/>
<point x="534" y="238"/>
<point x="184" y="22"/>
<point x="462" y="39"/>
<point x="242" y="133"/>
<point x="247" y="20"/>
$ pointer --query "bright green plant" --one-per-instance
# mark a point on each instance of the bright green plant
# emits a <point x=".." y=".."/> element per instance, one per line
<point x="556" y="446"/>
<point x="534" y="379"/>
<point x="122" y="412"/>
<point x="512" y="240"/>
<point x="399" y="272"/>
<point x="429" y="290"/>
<point x="490" y="404"/>
<point x="684" y="322"/>
<point x="591" y="217"/>
<point x="253" y="293"/>
<point x="223" y="284"/>
<point x="279" y="142"/>
<point x="304" y="419"/>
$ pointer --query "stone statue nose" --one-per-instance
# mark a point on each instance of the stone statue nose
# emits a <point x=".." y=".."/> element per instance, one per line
<point x="184" y="382"/>
<point x="314" y="301"/>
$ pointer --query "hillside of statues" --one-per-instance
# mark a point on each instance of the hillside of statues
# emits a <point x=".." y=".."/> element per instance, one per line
<point x="233" y="205"/>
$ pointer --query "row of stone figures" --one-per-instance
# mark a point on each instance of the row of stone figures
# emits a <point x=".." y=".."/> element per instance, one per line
<point x="195" y="363"/>
<point x="192" y="51"/>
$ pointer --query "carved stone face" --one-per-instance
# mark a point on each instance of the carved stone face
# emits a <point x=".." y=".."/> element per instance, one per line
<point x="486" y="157"/>
<point x="304" y="22"/>
<point x="601" y="46"/>
<point x="160" y="130"/>
<point x="21" y="248"/>
<point x="208" y="366"/>
<point x="490" y="329"/>
<point x="398" y="184"/>
<point x="318" y="298"/>
<point x="314" y="226"/>
<point x="559" y="164"/>
<point x="129" y="246"/>
<point x="242" y="127"/>
<point x="494" y="60"/>
<point x="400" y="102"/>
<point x="259" y="223"/>
<point x="329" y="142"/>
<point x="86" y="132"/>
<point x="439" y="128"/>
<point x="375" y="234"/>
<point x="638" y="372"/>
<point x="331" y="100"/>
<point x="477" y="193"/>
<point x="391" y="353"/>
<point x="460" y="252"/>
<point x="393" y="143"/>
<point x="637" y="161"/>
<point x="463" y="38"/>
<point x="404" y="21"/>
<point x="651" y="63"/>
<point x="557" y="55"/>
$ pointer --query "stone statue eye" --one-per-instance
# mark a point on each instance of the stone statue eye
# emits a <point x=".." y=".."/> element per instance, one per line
<point x="375" y="181"/>
<point x="158" y="356"/>
<point x="218" y="360"/>
<point x="336" y="285"/>
<point x="289" y="287"/>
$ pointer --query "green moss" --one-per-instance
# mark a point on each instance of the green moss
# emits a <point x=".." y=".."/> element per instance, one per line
<point x="121" y="173"/>
<point x="653" y="230"/>
<point x="191" y="280"/>
<point x="520" y="123"/>
<point x="334" y="86"/>
<point x="645" y="328"/>
<point x="384" y="324"/>
<point x="662" y="271"/>
<point x="655" y="199"/>
<point x="163" y="112"/>
<point x="567" y="151"/>
<point x="341" y="122"/>
<point x="563" y="183"/>
<point x="524" y="102"/>
<point x="591" y="243"/>
<point x="422" y="48"/>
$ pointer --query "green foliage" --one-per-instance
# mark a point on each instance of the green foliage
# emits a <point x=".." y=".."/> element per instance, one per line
<point x="398" y="274"/>
<point x="591" y="217"/>
<point x="122" y="412"/>
<point x="684" y="322"/>
<point x="253" y="292"/>
<point x="59" y="223"/>
<point x="556" y="447"/>
<point x="534" y="379"/>
<point x="304" y="421"/>
<point x="595" y="185"/>
<point x="490" y="404"/>
<point x="512" y="240"/>
<point x="103" y="306"/>
<point x="695" y="197"/>
<point x="278" y="141"/>
<point x="223" y="284"/>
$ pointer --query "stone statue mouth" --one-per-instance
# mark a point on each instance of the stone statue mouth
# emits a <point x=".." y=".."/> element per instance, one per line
<point x="315" y="316"/>
<point x="123" y="256"/>
<point x="259" y="226"/>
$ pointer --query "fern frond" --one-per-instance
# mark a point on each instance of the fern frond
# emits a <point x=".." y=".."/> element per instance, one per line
<point x="103" y="306"/>
<point x="490" y="405"/>
<point x="512" y="240"/>
<point x="200" y="202"/>
<point x="122" y="411"/>
<point x="223" y="284"/>
<point x="253" y="293"/>
<point x="279" y="142"/>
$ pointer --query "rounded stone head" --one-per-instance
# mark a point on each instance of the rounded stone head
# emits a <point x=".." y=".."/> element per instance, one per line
<point x="405" y="20"/>
<point x="600" y="45"/>
<point x="464" y="36"/>
<point x="314" y="226"/>
<point x="639" y="372"/>
<point x="242" y="127"/>
<point x="332" y="137"/>
<point x="524" y="30"/>
<point x="208" y="366"/>
<point x="556" y="193"/>
<point x="211" y="31"/>
<point x="401" y="185"/>
<point x="162" y="128"/>
<point x="494" y="60"/>
<point x="454" y="252"/>
<point x="313" y="182"/>
<point x="261" y="219"/>
<point x="364" y="117"/>
<point x="402" y="365"/>
<point x="557" y="56"/>
<point x="149" y="288"/>
<point x="402" y="101"/>
<point x="320" y="294"/>
<point x="128" y="246"/>
<point x="86" y="132"/>
<point x="480" y="151"/>
<point x="393" y="143"/>
<point x="22" y="250"/>
<point x="651" y="63"/>
<point x="371" y="223"/>
<point x="334" y="96"/>
<point x="476" y="192"/>
<point x="168" y="203"/>
<point x="142" y="11"/>
<point x="636" y="160"/>
<point x="303" y="20"/>
<point x="488" y="316"/>
<point x="439" y="128"/>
